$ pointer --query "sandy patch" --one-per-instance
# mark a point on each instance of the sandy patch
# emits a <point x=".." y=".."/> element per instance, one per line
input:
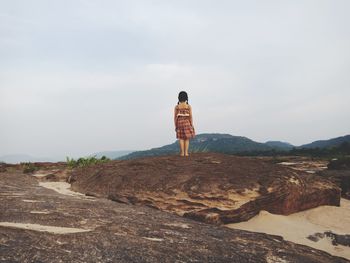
<point x="63" y="188"/>
<point x="306" y="166"/>
<point x="32" y="201"/>
<point x="294" y="180"/>
<point x="12" y="194"/>
<point x="40" y="175"/>
<point x="298" y="226"/>
<point x="44" y="228"/>
<point x="60" y="187"/>
<point x="154" y="239"/>
<point x="287" y="163"/>
<point x="178" y="225"/>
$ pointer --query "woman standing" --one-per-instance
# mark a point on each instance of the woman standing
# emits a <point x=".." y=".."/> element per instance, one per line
<point x="183" y="123"/>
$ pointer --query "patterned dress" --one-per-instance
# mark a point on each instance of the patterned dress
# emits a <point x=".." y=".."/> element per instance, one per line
<point x="184" y="130"/>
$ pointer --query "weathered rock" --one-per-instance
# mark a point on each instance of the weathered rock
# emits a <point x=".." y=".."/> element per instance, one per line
<point x="336" y="238"/>
<point x="302" y="163"/>
<point x="2" y="168"/>
<point x="5" y="166"/>
<point x="340" y="178"/>
<point x="63" y="228"/>
<point x="339" y="164"/>
<point x="209" y="187"/>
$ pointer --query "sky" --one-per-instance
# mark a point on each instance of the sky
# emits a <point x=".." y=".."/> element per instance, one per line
<point x="82" y="76"/>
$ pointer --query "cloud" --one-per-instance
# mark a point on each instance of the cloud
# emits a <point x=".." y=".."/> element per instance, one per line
<point x="84" y="76"/>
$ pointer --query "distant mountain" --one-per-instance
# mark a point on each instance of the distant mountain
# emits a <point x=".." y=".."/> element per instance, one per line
<point x="280" y="145"/>
<point x="19" y="158"/>
<point x="327" y="143"/>
<point x="212" y="142"/>
<point x="111" y="154"/>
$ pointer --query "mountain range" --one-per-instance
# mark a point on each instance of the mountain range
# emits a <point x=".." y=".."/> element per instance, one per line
<point x="205" y="142"/>
<point x="327" y="143"/>
<point x="229" y="144"/>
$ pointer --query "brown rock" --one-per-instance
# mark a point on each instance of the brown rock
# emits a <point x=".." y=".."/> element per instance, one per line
<point x="107" y="231"/>
<point x="337" y="239"/>
<point x="2" y="168"/>
<point x="340" y="178"/>
<point x="210" y="187"/>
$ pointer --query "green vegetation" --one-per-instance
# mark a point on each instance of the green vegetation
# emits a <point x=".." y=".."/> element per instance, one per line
<point x="339" y="151"/>
<point x="238" y="145"/>
<point x="83" y="162"/>
<point x="29" y="167"/>
<point x="335" y="151"/>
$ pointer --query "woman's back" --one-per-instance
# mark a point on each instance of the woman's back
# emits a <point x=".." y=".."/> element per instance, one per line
<point x="183" y="109"/>
<point x="183" y="106"/>
<point x="183" y="122"/>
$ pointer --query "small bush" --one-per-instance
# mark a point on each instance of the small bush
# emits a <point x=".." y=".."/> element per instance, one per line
<point x="84" y="162"/>
<point x="29" y="168"/>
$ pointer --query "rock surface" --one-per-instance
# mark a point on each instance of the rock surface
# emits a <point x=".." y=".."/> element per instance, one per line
<point x="298" y="227"/>
<point x="340" y="178"/>
<point x="41" y="225"/>
<point x="305" y="164"/>
<point x="336" y="238"/>
<point x="339" y="173"/>
<point x="210" y="187"/>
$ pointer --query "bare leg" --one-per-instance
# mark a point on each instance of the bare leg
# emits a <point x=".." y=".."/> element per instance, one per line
<point x="182" y="147"/>
<point x="187" y="143"/>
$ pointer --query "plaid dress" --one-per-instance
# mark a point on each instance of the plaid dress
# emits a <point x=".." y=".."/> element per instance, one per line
<point x="184" y="130"/>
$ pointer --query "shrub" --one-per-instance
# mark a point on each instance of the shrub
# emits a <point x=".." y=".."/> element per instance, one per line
<point x="29" y="168"/>
<point x="84" y="162"/>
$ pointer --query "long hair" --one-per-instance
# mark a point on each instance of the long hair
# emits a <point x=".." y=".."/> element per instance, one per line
<point x="183" y="97"/>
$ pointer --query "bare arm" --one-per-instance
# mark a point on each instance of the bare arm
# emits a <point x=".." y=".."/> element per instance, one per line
<point x="191" y="118"/>
<point x="175" y="116"/>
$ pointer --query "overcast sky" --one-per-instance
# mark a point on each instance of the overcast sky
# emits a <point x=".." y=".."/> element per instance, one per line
<point x="81" y="76"/>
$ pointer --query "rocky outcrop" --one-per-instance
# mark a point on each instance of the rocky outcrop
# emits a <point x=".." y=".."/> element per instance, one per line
<point x="301" y="163"/>
<point x="5" y="166"/>
<point x="41" y="225"/>
<point x="339" y="172"/>
<point x="339" y="164"/>
<point x="340" y="178"/>
<point x="2" y="168"/>
<point x="210" y="187"/>
<point x="336" y="238"/>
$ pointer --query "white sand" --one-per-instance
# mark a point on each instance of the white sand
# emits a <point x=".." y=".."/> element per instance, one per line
<point x="296" y="227"/>
<point x="287" y="163"/>
<point x="178" y="225"/>
<point x="63" y="188"/>
<point x="32" y="201"/>
<point x="154" y="239"/>
<point x="59" y="187"/>
<point x="40" y="175"/>
<point x="44" y="228"/>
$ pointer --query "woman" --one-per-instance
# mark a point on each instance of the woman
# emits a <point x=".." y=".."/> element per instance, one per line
<point x="183" y="123"/>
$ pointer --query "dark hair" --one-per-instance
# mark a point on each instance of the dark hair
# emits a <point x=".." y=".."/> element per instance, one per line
<point x="183" y="97"/>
